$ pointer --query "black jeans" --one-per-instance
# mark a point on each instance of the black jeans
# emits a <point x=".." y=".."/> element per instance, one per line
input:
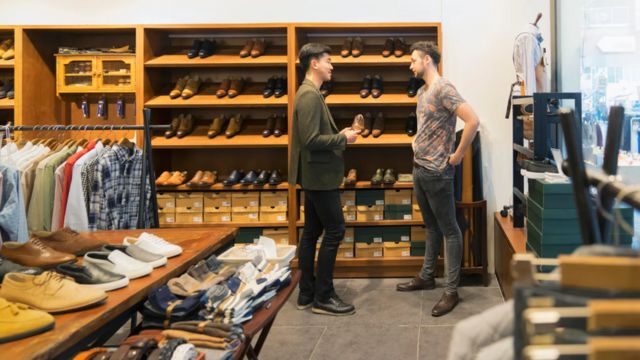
<point x="322" y="211"/>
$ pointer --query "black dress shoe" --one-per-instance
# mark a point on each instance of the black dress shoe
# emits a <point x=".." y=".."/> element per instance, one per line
<point x="7" y="266"/>
<point x="365" y="90"/>
<point x="175" y="124"/>
<point x="376" y="86"/>
<point x="304" y="302"/>
<point x="334" y="306"/>
<point x="326" y="88"/>
<point x="207" y="49"/>
<point x="195" y="49"/>
<point x="270" y="87"/>
<point x="417" y="283"/>
<point x="262" y="178"/>
<point x="281" y="87"/>
<point x="93" y="275"/>
<point x="412" y="124"/>
<point x="447" y="303"/>
<point x="276" y="178"/>
<point x="281" y="125"/>
<point x="414" y="85"/>
<point x="234" y="178"/>
<point x="271" y="124"/>
<point x="250" y="178"/>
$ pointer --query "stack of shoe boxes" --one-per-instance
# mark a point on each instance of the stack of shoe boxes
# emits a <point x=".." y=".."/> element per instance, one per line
<point x="217" y="207"/>
<point x="279" y="235"/>
<point x="273" y="206"/>
<point x="418" y="240"/>
<point x="166" y="208"/>
<point x="370" y="205"/>
<point x="416" y="214"/>
<point x="245" y="206"/>
<point x="348" y="200"/>
<point x="248" y="235"/>
<point x="189" y="208"/>
<point x="397" y="240"/>
<point x="369" y="242"/>
<point x="347" y="246"/>
<point x="397" y="204"/>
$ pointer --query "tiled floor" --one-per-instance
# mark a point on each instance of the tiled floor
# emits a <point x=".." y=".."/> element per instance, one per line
<point x="387" y="324"/>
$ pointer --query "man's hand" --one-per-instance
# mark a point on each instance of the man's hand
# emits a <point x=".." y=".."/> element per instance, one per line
<point x="455" y="159"/>
<point x="352" y="135"/>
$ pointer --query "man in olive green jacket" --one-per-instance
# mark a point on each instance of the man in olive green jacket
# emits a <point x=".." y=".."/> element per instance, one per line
<point x="317" y="165"/>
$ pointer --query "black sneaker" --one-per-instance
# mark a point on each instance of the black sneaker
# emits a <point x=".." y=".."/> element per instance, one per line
<point x="7" y="266"/>
<point x="334" y="306"/>
<point x="304" y="302"/>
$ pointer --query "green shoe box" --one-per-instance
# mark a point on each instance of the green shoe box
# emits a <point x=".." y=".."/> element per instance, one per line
<point x="397" y="212"/>
<point x="369" y="235"/>
<point x="417" y="248"/>
<point x="369" y="197"/>
<point x="396" y="234"/>
<point x="552" y="195"/>
<point x="248" y="235"/>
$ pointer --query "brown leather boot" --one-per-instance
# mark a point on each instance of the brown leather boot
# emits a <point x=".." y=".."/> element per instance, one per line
<point x="368" y="125"/>
<point x="219" y="123"/>
<point x="196" y="179"/>
<point x="358" y="122"/>
<point x="378" y="125"/>
<point x="177" y="90"/>
<point x="388" y="48"/>
<point x="163" y="177"/>
<point x="186" y="126"/>
<point x="417" y="283"/>
<point x="399" y="47"/>
<point x="224" y="88"/>
<point x="208" y="179"/>
<point x="358" y="47"/>
<point x="352" y="177"/>
<point x="235" y="125"/>
<point x="281" y="125"/>
<point x="258" y="48"/>
<point x="271" y="124"/>
<point x="346" y="47"/>
<point x="192" y="87"/>
<point x="236" y="87"/>
<point x="246" y="50"/>
<point x="175" y="124"/>
<point x="447" y="303"/>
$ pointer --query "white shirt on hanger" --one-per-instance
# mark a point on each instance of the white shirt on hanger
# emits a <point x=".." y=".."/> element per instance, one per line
<point x="76" y="216"/>
<point x="527" y="54"/>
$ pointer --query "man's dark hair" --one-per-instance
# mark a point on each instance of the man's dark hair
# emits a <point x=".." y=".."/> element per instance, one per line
<point x="312" y="51"/>
<point x="427" y="48"/>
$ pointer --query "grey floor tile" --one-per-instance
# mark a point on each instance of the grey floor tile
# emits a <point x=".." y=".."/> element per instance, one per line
<point x="341" y="284"/>
<point x="473" y="301"/>
<point x="433" y="342"/>
<point x="364" y="285"/>
<point x="291" y="342"/>
<point x="476" y="280"/>
<point x="385" y="307"/>
<point x="368" y="342"/>
<point x="289" y="315"/>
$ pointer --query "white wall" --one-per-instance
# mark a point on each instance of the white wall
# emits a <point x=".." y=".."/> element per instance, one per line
<point x="478" y="41"/>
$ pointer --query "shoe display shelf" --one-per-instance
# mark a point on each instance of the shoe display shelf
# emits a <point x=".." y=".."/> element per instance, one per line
<point x="7" y="69"/>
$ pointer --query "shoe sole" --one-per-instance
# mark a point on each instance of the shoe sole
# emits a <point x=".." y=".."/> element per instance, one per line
<point x="27" y="333"/>
<point x="138" y="274"/>
<point x="77" y="307"/>
<point x="409" y="290"/>
<point x="325" y="312"/>
<point x="304" y="307"/>
<point x="158" y="263"/>
<point x="114" y="285"/>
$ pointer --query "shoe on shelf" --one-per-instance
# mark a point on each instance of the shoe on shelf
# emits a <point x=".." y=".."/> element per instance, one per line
<point x="34" y="253"/>
<point x="250" y="178"/>
<point x="387" y="49"/>
<point x="376" y="86"/>
<point x="346" y="47"/>
<point x="368" y="124"/>
<point x="10" y="89"/>
<point x="417" y="283"/>
<point x="378" y="125"/>
<point x="269" y="87"/>
<point x="246" y="50"/>
<point x="258" y="49"/>
<point x="414" y="85"/>
<point x="333" y="306"/>
<point x="5" y="46"/>
<point x="180" y="85"/>
<point x="68" y="241"/>
<point x="195" y="49"/>
<point x="281" y="125"/>
<point x="234" y="178"/>
<point x="389" y="177"/>
<point x="445" y="305"/>
<point x="154" y="244"/>
<point x="175" y="124"/>
<point x="236" y="87"/>
<point x="352" y="177"/>
<point x="281" y="87"/>
<point x="223" y="90"/>
<point x="93" y="276"/>
<point x="271" y="124"/>
<point x="358" y="47"/>
<point x="377" y="177"/>
<point x="208" y="179"/>
<point x="192" y="87"/>
<point x="358" y="122"/>
<point x="263" y="178"/>
<point x="235" y="126"/>
<point x="412" y="124"/>
<point x="326" y="88"/>
<point x="195" y="179"/>
<point x="207" y="49"/>
<point x="217" y="125"/>
<point x="119" y="263"/>
<point x="365" y="90"/>
<point x="177" y="178"/>
<point x="18" y="321"/>
<point x="162" y="178"/>
<point x="399" y="47"/>
<point x="50" y="292"/>
<point x="7" y="266"/>
<point x="9" y="54"/>
<point x="139" y="254"/>
<point x="275" y="178"/>
<point x="186" y="126"/>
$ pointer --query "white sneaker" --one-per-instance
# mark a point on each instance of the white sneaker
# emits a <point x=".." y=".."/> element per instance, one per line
<point x="154" y="244"/>
<point x="119" y="263"/>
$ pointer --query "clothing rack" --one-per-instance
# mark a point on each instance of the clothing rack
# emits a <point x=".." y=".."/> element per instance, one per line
<point x="147" y="166"/>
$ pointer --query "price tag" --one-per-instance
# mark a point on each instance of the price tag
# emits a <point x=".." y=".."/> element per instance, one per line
<point x="226" y="218"/>
<point x="405" y="253"/>
<point x="282" y="202"/>
<point x="351" y="218"/>
<point x="348" y="254"/>
<point x="253" y="216"/>
<point x="377" y="253"/>
<point x="405" y="238"/>
<point x="377" y="217"/>
<point x="197" y="219"/>
<point x="197" y="204"/>
<point x="350" y="203"/>
<point x="377" y="240"/>
<point x="253" y="203"/>
<point x="406" y="201"/>
<point x="226" y="203"/>
<point x="281" y="218"/>
<point x="170" y="205"/>
<point x="170" y="220"/>
<point x="379" y="202"/>
<point x="408" y="217"/>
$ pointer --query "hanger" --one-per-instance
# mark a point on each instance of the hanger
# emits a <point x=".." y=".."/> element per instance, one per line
<point x="124" y="142"/>
<point x="538" y="17"/>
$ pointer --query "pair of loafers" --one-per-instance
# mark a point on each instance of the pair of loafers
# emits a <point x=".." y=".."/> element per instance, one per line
<point x="231" y="87"/>
<point x="253" y="48"/>
<point x="253" y="178"/>
<point x="231" y="125"/>
<point x="186" y="87"/>
<point x="202" y="49"/>
<point x="383" y="176"/>
<point x="181" y="126"/>
<point x="371" y="85"/>
<point x="276" y="125"/>
<point x="276" y="86"/>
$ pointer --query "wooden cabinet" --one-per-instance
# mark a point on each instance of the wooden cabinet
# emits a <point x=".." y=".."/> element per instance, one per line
<point x="508" y="240"/>
<point x="104" y="73"/>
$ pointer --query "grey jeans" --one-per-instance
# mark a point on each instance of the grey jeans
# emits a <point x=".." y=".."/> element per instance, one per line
<point x="434" y="192"/>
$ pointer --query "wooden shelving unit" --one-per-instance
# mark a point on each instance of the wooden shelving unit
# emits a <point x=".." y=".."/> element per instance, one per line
<point x="7" y="104"/>
<point x="181" y="61"/>
<point x="199" y="140"/>
<point x="383" y="140"/>
<point x="370" y="60"/>
<point x="221" y="187"/>
<point x="201" y="101"/>
<point x="7" y="64"/>
<point x="277" y="224"/>
<point x="356" y="100"/>
<point x="8" y="71"/>
<point x="377" y="223"/>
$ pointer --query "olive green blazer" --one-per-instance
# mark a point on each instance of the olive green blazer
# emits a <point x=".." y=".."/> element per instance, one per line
<point x="316" y="148"/>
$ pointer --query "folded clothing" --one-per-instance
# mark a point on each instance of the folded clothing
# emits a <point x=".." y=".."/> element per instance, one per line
<point x="163" y="308"/>
<point x="225" y="331"/>
<point x="202" y="340"/>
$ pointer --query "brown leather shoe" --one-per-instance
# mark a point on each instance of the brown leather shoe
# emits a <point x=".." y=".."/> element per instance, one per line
<point x="281" y="125"/>
<point x="34" y="253"/>
<point x="378" y="125"/>
<point x="399" y="47"/>
<point x="368" y="125"/>
<point x="68" y="241"/>
<point x="186" y="126"/>
<point x="417" y="283"/>
<point x="352" y="177"/>
<point x="224" y="88"/>
<point x="388" y="48"/>
<point x="270" y="126"/>
<point x="175" y="124"/>
<point x="196" y="179"/>
<point x="177" y="178"/>
<point x="258" y="48"/>
<point x="180" y="85"/>
<point x="447" y="303"/>
<point x="235" y="125"/>
<point x="219" y="123"/>
<point x="358" y="47"/>
<point x="208" y="178"/>
<point x="346" y="47"/>
<point x="192" y="87"/>
<point x="358" y="122"/>
<point x="236" y="87"/>
<point x="163" y="177"/>
<point x="246" y="50"/>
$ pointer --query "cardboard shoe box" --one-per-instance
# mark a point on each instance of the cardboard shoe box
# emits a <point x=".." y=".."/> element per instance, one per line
<point x="369" y="250"/>
<point x="277" y="199"/>
<point x="397" y="212"/>
<point x="245" y="214"/>
<point x="166" y="202"/>
<point x="396" y="234"/>
<point x="167" y="218"/>
<point x="272" y="213"/>
<point x="398" y="196"/>
<point x="393" y="249"/>
<point x="346" y="251"/>
<point x="248" y="235"/>
<point x="349" y="235"/>
<point x="279" y="235"/>
<point x="370" y="197"/>
<point x="370" y="212"/>
<point x="350" y="213"/>
<point x="418" y="234"/>
<point x="189" y="218"/>
<point x="216" y="217"/>
<point x="348" y="197"/>
<point x="246" y="199"/>
<point x="188" y="202"/>
<point x="217" y="202"/>
<point x="418" y="248"/>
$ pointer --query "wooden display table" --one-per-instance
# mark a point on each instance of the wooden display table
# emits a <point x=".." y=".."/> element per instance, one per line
<point x="76" y="330"/>
<point x="507" y="241"/>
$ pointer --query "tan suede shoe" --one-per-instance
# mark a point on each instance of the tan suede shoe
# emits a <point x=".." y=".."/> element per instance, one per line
<point x="177" y="90"/>
<point x="192" y="87"/>
<point x="163" y="178"/>
<point x="195" y="181"/>
<point x="246" y="50"/>
<point x="208" y="178"/>
<point x="177" y="178"/>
